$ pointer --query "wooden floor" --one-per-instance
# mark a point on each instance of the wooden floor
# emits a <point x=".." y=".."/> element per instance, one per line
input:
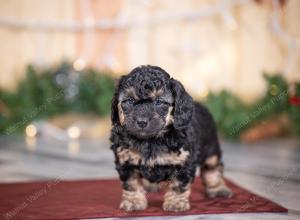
<point x="270" y="169"/>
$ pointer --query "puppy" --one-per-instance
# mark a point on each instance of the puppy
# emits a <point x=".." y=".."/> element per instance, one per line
<point x="159" y="134"/>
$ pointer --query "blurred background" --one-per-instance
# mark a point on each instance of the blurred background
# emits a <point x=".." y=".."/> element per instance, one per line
<point x="241" y="57"/>
<point x="60" y="60"/>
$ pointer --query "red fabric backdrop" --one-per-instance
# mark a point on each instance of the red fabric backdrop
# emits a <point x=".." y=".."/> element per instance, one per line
<point x="101" y="198"/>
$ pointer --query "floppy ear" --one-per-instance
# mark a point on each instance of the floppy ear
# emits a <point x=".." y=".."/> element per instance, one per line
<point x="114" y="109"/>
<point x="184" y="105"/>
<point x="114" y="103"/>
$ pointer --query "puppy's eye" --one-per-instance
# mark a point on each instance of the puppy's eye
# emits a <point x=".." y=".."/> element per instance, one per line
<point x="159" y="102"/>
<point x="130" y="101"/>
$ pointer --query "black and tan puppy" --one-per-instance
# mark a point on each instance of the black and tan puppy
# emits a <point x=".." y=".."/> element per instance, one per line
<point x="160" y="134"/>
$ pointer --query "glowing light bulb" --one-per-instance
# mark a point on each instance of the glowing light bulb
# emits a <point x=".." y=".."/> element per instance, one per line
<point x="31" y="130"/>
<point x="203" y="93"/>
<point x="74" y="132"/>
<point x="274" y="90"/>
<point x="79" y="64"/>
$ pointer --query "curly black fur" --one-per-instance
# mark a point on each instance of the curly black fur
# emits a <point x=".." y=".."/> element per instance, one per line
<point x="192" y="130"/>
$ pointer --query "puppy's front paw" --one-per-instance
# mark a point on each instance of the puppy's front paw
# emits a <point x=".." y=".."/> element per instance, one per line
<point x="176" y="205"/>
<point x="220" y="191"/>
<point x="133" y="201"/>
<point x="133" y="205"/>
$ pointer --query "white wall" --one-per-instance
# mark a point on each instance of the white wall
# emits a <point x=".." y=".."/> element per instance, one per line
<point x="209" y="53"/>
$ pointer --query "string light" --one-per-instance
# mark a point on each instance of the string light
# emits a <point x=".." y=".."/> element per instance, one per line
<point x="31" y="130"/>
<point x="203" y="93"/>
<point x="273" y="90"/>
<point x="79" y="64"/>
<point x="105" y="24"/>
<point x="74" y="132"/>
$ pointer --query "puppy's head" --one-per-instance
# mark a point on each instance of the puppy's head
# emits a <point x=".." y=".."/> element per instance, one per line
<point x="147" y="102"/>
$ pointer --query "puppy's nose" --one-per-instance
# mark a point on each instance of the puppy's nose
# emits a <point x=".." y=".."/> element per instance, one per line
<point x="142" y="123"/>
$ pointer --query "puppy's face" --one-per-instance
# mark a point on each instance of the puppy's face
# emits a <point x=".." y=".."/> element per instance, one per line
<point x="147" y="102"/>
<point x="147" y="115"/>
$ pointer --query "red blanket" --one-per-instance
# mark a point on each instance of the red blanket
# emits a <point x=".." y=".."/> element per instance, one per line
<point x="100" y="198"/>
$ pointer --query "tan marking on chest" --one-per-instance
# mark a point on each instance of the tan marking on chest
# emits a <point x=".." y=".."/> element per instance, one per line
<point x="173" y="158"/>
<point x="135" y="158"/>
<point x="128" y="155"/>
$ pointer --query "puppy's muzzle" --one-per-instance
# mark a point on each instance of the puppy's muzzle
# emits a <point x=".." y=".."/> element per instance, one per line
<point x="142" y="122"/>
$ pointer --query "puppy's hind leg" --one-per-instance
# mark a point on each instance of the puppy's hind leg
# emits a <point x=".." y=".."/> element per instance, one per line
<point x="212" y="178"/>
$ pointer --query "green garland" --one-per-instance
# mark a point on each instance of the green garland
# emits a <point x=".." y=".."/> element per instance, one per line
<point x="294" y="112"/>
<point x="48" y="92"/>
<point x="233" y="116"/>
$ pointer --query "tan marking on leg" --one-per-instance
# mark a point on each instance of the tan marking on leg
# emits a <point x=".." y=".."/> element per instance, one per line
<point x="212" y="161"/>
<point x="177" y="201"/>
<point x="213" y="181"/>
<point x="131" y="92"/>
<point x="172" y="158"/>
<point x="121" y="114"/>
<point x="156" y="93"/>
<point x="169" y="117"/>
<point x="128" y="155"/>
<point x="220" y="190"/>
<point x="150" y="187"/>
<point x="134" y="198"/>
<point x="212" y="177"/>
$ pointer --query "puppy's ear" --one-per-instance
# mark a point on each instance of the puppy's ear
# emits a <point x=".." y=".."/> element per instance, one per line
<point x="184" y="105"/>
<point x="114" y="103"/>
<point x="114" y="109"/>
